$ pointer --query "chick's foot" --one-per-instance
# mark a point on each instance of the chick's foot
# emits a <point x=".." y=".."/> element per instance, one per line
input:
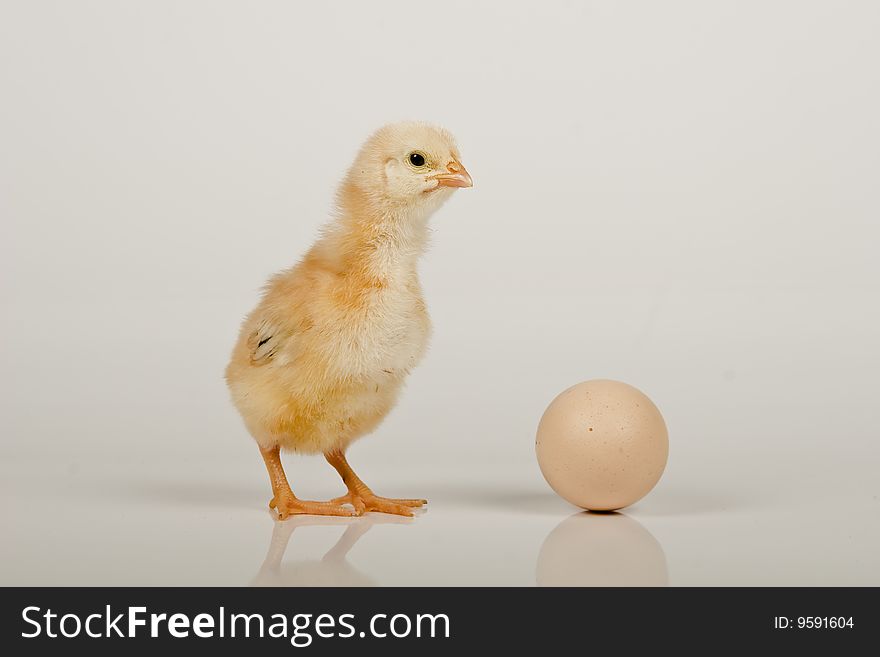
<point x="287" y="505"/>
<point x="365" y="502"/>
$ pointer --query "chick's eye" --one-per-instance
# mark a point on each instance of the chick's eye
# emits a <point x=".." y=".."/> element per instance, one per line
<point x="417" y="159"/>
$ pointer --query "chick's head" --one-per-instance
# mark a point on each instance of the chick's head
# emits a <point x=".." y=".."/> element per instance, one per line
<point x="411" y="164"/>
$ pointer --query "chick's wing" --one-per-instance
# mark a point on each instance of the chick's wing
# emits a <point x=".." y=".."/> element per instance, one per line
<point x="265" y="341"/>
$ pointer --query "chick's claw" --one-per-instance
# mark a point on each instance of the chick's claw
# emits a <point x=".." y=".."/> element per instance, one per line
<point x="287" y="505"/>
<point x="368" y="502"/>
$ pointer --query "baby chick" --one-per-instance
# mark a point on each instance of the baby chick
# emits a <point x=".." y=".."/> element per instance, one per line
<point x="322" y="358"/>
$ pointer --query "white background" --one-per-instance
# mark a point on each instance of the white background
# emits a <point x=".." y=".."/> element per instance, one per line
<point x="680" y="195"/>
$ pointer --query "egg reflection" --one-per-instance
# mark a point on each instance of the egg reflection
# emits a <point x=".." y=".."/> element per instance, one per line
<point x="607" y="549"/>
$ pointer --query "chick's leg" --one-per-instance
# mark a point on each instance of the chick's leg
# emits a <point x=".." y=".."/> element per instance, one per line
<point x="361" y="497"/>
<point x="285" y="502"/>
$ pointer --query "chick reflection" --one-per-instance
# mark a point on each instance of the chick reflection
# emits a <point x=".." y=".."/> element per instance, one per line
<point x="601" y="549"/>
<point x="332" y="569"/>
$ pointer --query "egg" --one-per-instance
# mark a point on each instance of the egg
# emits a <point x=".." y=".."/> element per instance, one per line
<point x="602" y="445"/>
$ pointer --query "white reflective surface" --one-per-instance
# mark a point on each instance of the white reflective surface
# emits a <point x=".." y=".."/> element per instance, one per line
<point x="150" y="523"/>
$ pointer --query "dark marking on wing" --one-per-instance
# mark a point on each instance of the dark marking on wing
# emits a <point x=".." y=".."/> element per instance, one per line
<point x="263" y="343"/>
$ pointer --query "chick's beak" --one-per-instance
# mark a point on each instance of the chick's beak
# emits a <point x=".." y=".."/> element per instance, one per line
<point x="457" y="176"/>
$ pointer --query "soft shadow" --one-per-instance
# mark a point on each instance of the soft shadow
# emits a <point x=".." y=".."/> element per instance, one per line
<point x="333" y="568"/>
<point x="668" y="502"/>
<point x="499" y="497"/>
<point x="194" y="493"/>
<point x="601" y="549"/>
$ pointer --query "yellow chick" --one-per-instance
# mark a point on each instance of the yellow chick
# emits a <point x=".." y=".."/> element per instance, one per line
<point x="322" y="358"/>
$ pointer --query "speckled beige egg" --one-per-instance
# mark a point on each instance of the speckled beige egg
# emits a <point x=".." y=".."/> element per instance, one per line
<point x="602" y="445"/>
